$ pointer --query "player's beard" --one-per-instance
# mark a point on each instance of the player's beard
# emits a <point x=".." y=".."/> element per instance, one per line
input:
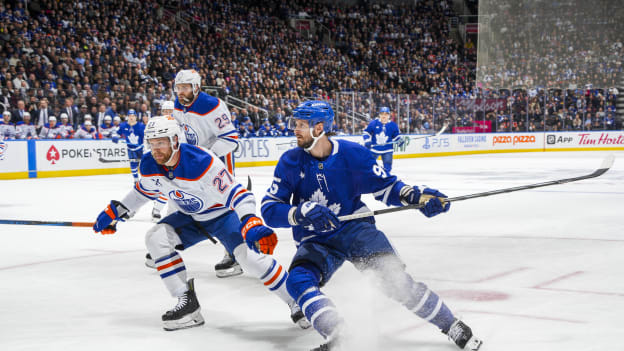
<point x="161" y="157"/>
<point x="304" y="142"/>
<point x="185" y="100"/>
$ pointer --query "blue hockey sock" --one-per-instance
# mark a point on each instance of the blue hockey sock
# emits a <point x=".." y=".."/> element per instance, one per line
<point x="302" y="284"/>
<point x="134" y="168"/>
<point x="427" y="305"/>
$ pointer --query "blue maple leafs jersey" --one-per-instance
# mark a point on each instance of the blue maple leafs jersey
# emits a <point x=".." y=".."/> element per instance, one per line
<point x="132" y="134"/>
<point x="382" y="135"/>
<point x="336" y="182"/>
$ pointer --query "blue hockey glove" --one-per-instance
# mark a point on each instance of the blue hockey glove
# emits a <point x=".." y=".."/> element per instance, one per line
<point x="321" y="218"/>
<point x="368" y="144"/>
<point x="115" y="211"/>
<point x="434" y="200"/>
<point x="115" y="138"/>
<point x="258" y="237"/>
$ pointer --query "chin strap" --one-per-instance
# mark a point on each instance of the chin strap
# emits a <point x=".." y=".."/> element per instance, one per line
<point x="316" y="139"/>
<point x="173" y="149"/>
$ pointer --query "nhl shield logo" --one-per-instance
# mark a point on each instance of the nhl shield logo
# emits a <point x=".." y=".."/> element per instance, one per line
<point x="191" y="135"/>
<point x="187" y="202"/>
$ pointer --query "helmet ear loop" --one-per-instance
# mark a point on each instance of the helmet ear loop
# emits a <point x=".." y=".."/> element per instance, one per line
<point x="174" y="149"/>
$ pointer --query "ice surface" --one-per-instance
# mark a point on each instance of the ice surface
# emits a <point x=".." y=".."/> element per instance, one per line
<point x="540" y="269"/>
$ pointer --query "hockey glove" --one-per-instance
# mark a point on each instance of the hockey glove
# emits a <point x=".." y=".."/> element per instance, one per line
<point x="115" y="138"/>
<point x="310" y="213"/>
<point x="258" y="237"/>
<point x="435" y="202"/>
<point x="115" y="211"/>
<point x="368" y="144"/>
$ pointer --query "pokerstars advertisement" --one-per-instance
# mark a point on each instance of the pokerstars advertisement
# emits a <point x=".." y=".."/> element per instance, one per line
<point x="54" y="155"/>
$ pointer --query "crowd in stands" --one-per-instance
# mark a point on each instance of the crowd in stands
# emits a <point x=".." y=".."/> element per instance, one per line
<point x="98" y="59"/>
<point x="551" y="44"/>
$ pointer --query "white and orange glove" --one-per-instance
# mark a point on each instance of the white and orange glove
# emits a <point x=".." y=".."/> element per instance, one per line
<point x="258" y="237"/>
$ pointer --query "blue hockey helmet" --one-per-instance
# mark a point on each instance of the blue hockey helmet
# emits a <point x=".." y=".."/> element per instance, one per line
<point x="384" y="109"/>
<point x="314" y="112"/>
<point x="131" y="112"/>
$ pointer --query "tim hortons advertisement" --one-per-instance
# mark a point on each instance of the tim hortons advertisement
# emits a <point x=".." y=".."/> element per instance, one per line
<point x="13" y="156"/>
<point x="54" y="155"/>
<point x="575" y="140"/>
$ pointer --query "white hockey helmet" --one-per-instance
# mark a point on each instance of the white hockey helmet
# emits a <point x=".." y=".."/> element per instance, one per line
<point x="163" y="127"/>
<point x="64" y="116"/>
<point x="188" y="76"/>
<point x="167" y="105"/>
<point x="160" y="127"/>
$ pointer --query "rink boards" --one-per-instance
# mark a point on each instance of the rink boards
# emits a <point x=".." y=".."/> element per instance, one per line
<point x="58" y="158"/>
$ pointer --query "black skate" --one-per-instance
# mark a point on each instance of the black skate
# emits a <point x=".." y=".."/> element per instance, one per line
<point x="328" y="346"/>
<point x="461" y="334"/>
<point x="298" y="317"/>
<point x="149" y="261"/>
<point x="186" y="314"/>
<point x="228" y="267"/>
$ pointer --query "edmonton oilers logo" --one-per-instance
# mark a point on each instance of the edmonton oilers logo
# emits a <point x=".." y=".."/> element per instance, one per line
<point x="187" y="202"/>
<point x="191" y="135"/>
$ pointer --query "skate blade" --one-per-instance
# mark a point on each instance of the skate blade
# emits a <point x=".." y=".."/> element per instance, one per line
<point x="191" y="320"/>
<point x="474" y="344"/>
<point x="230" y="272"/>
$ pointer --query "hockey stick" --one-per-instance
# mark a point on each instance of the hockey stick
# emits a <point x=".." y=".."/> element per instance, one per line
<point x="103" y="160"/>
<point x="53" y="223"/>
<point x="606" y="164"/>
<point x="431" y="135"/>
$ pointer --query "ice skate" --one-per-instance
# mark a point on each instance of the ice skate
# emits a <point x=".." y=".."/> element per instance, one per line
<point x="228" y="267"/>
<point x="461" y="334"/>
<point x="186" y="314"/>
<point x="298" y="317"/>
<point x="328" y="346"/>
<point x="149" y="261"/>
<point x="156" y="215"/>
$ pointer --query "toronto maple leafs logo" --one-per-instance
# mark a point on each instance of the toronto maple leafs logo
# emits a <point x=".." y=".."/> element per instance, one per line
<point x="382" y="138"/>
<point x="320" y="198"/>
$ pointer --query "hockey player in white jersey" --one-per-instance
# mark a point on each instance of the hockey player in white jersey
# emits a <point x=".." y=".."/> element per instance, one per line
<point x="206" y="121"/>
<point x="208" y="202"/>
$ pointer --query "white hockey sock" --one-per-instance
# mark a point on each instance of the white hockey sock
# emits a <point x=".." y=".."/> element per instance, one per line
<point x="161" y="241"/>
<point x="265" y="268"/>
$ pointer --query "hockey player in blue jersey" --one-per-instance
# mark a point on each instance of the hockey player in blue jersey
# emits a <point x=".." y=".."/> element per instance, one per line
<point x="380" y="136"/>
<point x="209" y="203"/>
<point x="322" y="179"/>
<point x="132" y="132"/>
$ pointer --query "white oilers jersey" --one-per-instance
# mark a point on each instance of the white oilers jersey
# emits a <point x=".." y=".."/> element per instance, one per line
<point x="207" y="123"/>
<point x="199" y="185"/>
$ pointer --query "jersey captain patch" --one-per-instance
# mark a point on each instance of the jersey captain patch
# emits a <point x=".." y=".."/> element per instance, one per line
<point x="187" y="202"/>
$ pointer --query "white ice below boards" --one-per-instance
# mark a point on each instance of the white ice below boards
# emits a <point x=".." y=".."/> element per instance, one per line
<point x="539" y="269"/>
